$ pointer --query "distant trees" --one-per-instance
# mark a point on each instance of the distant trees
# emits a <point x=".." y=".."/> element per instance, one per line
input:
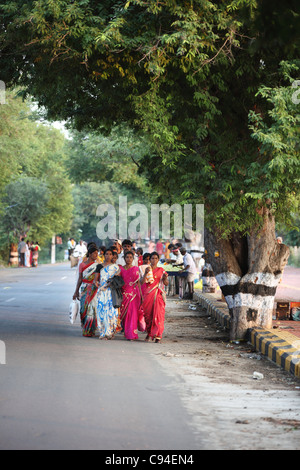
<point x="35" y="192"/>
<point x="104" y="167"/>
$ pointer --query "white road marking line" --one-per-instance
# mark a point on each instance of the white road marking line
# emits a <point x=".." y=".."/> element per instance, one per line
<point x="6" y="288"/>
<point x="49" y="283"/>
<point x="10" y="300"/>
<point x="63" y="278"/>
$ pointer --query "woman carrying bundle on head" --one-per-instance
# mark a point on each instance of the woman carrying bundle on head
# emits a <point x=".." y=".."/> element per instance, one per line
<point x="86" y="291"/>
<point x="154" y="302"/>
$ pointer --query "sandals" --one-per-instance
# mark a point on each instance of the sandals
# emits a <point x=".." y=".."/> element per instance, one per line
<point x="148" y="338"/>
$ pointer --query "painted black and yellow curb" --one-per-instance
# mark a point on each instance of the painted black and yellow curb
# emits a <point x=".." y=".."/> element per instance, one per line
<point x="279" y="346"/>
<point x="216" y="308"/>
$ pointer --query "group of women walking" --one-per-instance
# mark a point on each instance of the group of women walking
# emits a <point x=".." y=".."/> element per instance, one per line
<point x="143" y="294"/>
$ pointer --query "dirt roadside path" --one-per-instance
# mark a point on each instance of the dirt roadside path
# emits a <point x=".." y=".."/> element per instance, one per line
<point x="215" y="380"/>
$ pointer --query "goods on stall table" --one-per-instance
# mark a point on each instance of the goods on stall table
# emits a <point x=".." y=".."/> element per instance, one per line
<point x="169" y="267"/>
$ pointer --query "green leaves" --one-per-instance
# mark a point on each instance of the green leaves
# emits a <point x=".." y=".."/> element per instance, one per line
<point x="35" y="193"/>
<point x="277" y="134"/>
<point x="96" y="157"/>
<point x="26" y="199"/>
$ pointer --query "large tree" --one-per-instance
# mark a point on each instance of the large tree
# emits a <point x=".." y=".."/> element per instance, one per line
<point x="190" y="75"/>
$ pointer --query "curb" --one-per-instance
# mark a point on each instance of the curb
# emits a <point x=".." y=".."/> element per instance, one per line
<point x="281" y="347"/>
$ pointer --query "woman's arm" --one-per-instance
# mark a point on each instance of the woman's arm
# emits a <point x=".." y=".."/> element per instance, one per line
<point x="141" y="293"/>
<point x="97" y="279"/>
<point x="143" y="279"/>
<point x="76" y="293"/>
<point x="165" y="278"/>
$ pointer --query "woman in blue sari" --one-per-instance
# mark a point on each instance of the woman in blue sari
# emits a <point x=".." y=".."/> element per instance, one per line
<point x="107" y="315"/>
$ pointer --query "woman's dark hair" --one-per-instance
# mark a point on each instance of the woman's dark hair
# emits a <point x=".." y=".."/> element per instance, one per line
<point x="140" y="250"/>
<point x="115" y="253"/>
<point x="91" y="243"/>
<point x="128" y="253"/>
<point x="154" y="253"/>
<point x="108" y="249"/>
<point x="146" y="255"/>
<point x="91" y="248"/>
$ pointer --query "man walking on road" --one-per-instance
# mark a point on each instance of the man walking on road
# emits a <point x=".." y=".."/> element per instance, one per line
<point x="22" y="250"/>
<point x="190" y="267"/>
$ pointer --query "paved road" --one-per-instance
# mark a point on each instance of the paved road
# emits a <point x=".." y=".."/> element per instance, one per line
<point x="289" y="288"/>
<point x="59" y="390"/>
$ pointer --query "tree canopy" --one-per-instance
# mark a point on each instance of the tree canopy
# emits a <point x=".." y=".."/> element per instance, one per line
<point x="189" y="74"/>
<point x="115" y="158"/>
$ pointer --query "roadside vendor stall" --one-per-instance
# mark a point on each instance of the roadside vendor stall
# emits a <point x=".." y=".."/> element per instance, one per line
<point x="173" y="273"/>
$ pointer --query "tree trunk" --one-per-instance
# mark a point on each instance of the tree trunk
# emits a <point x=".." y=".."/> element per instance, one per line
<point x="53" y="250"/>
<point x="14" y="255"/>
<point x="248" y="270"/>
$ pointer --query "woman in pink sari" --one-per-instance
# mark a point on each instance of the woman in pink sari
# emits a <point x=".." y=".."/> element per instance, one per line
<point x="129" y="310"/>
<point x="154" y="302"/>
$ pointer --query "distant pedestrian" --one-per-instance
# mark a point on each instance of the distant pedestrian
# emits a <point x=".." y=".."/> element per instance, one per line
<point x="27" y="255"/>
<point x="127" y="246"/>
<point x="22" y="250"/>
<point x="201" y="263"/>
<point x="139" y="252"/>
<point x="102" y="250"/>
<point x="115" y="257"/>
<point x="80" y="250"/>
<point x="36" y="248"/>
<point x="71" y="247"/>
<point x="209" y="282"/>
<point x="190" y="267"/>
<point x="146" y="263"/>
<point x="118" y="245"/>
<point x="159" y="247"/>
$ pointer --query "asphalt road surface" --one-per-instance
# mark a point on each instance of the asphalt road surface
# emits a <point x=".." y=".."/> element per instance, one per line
<point x="59" y="390"/>
<point x="289" y="288"/>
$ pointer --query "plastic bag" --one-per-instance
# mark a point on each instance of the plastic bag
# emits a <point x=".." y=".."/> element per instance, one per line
<point x="141" y="320"/>
<point x="199" y="284"/>
<point x="149" y="276"/>
<point x="74" y="310"/>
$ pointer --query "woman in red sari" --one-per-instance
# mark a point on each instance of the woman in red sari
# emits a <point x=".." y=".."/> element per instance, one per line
<point x="86" y="291"/>
<point x="129" y="310"/>
<point x="154" y="302"/>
